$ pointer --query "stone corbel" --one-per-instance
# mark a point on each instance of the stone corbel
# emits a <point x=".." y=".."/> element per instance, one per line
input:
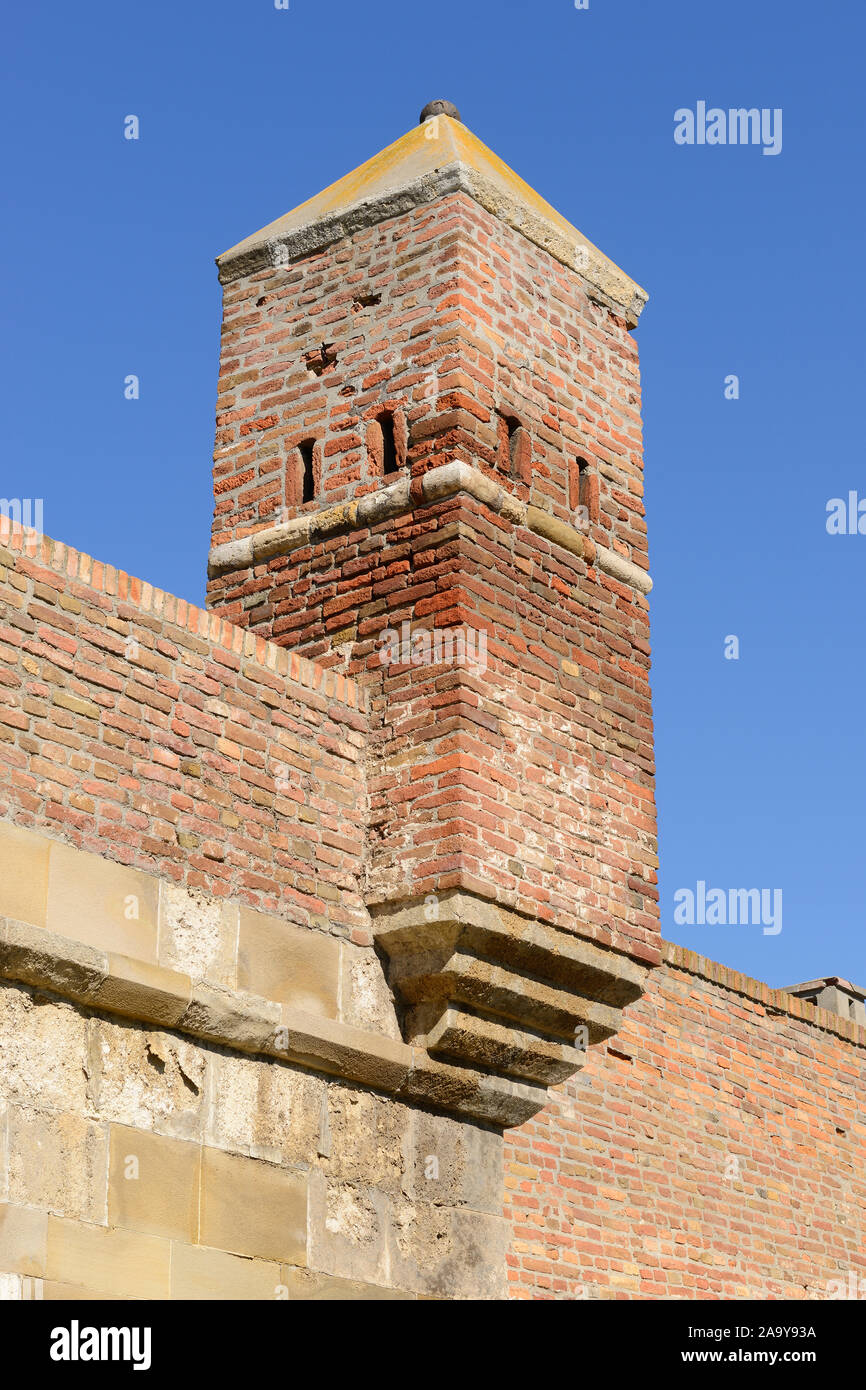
<point x="487" y="988"/>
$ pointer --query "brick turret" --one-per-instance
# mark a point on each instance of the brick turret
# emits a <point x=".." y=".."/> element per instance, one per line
<point x="428" y="473"/>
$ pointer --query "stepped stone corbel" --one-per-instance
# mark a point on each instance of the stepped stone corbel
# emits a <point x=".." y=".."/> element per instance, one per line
<point x="486" y="987"/>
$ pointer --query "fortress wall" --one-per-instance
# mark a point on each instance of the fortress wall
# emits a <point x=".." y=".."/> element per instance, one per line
<point x="204" y="1092"/>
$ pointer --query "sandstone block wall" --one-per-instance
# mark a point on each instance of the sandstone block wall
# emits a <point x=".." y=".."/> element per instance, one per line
<point x="137" y="1162"/>
<point x="714" y="1149"/>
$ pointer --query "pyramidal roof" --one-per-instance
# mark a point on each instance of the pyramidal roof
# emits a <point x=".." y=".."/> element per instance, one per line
<point x="439" y="156"/>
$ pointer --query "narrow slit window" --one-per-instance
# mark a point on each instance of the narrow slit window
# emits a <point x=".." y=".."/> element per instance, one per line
<point x="386" y="445"/>
<point x="389" y="444"/>
<point x="513" y="427"/>
<point x="307" y="451"/>
<point x="583" y="483"/>
<point x="515" y="449"/>
<point x="583" y="492"/>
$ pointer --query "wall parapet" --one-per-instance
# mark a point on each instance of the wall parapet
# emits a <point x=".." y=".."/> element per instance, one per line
<point x="159" y="735"/>
<point x="80" y="568"/>
<point x="776" y="1001"/>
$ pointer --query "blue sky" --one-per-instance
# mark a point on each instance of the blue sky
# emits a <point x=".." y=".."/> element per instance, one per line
<point x="753" y="268"/>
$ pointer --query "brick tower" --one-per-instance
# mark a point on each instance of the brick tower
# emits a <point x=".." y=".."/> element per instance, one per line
<point x="428" y="473"/>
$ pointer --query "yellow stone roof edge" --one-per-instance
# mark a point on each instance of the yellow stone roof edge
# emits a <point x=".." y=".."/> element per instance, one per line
<point x="406" y="175"/>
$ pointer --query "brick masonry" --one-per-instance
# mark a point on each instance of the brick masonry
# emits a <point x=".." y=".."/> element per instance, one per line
<point x="135" y="725"/>
<point x="712" y="1150"/>
<point x="456" y="324"/>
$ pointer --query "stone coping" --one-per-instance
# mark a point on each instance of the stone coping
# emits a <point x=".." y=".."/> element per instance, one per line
<point x="823" y="983"/>
<point x="81" y="571"/>
<point x="776" y="1001"/>
<point x="445" y="481"/>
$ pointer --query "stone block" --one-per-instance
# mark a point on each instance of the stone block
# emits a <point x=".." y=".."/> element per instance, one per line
<point x="354" y="1053"/>
<point x="23" y="874"/>
<point x="366" y="1000"/>
<point x="202" y="1273"/>
<point x="292" y="965"/>
<point x="101" y="903"/>
<point x="23" y="1236"/>
<point x="41" y="958"/>
<point x="455" y="1163"/>
<point x="141" y="990"/>
<point x="348" y="1230"/>
<point x="266" y="1108"/>
<point x="43" y="1050"/>
<point x="312" y="1287"/>
<point x="107" y="1261"/>
<point x="57" y="1162"/>
<point x="249" y="1207"/>
<point x="368" y="1138"/>
<point x="153" y="1183"/>
<point x="147" y="1079"/>
<point x="198" y="935"/>
<point x="54" y="1292"/>
<point x="246" y="1021"/>
<point x="448" y="1253"/>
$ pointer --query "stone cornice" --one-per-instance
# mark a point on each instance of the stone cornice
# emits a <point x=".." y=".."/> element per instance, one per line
<point x="438" y="483"/>
<point x="495" y="990"/>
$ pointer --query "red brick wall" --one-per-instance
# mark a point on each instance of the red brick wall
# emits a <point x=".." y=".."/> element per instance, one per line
<point x="140" y="727"/>
<point x="714" y="1149"/>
